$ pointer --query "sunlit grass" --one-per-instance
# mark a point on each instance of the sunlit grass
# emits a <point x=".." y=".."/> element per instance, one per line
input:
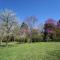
<point x="31" y="51"/>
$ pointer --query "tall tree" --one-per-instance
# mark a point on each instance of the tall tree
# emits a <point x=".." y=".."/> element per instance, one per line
<point x="31" y="21"/>
<point x="8" y="20"/>
<point x="49" y="28"/>
<point x="58" y="29"/>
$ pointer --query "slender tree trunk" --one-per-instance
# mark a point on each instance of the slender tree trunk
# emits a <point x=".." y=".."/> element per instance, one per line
<point x="7" y="39"/>
<point x="0" y="41"/>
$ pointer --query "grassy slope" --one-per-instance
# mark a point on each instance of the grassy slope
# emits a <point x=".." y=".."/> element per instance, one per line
<point x="32" y="51"/>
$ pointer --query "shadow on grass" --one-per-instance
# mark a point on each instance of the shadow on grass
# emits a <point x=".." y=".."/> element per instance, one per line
<point x="7" y="45"/>
<point x="54" y="55"/>
<point x="2" y="45"/>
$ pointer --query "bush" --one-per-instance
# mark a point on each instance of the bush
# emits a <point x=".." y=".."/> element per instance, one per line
<point x="36" y="38"/>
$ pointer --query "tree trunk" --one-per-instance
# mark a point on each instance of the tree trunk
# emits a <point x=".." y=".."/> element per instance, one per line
<point x="0" y="41"/>
<point x="7" y="40"/>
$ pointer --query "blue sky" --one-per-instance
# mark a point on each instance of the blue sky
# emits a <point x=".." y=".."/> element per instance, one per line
<point x="43" y="9"/>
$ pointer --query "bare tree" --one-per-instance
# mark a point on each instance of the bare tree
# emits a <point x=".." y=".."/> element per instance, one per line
<point x="31" y="21"/>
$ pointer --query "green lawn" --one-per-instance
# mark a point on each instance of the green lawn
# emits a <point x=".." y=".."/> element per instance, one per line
<point x="31" y="51"/>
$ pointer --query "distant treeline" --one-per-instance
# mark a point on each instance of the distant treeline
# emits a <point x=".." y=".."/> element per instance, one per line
<point x="11" y="30"/>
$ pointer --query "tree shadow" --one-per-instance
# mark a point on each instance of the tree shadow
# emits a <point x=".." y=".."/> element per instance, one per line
<point x="55" y="54"/>
<point x="2" y="45"/>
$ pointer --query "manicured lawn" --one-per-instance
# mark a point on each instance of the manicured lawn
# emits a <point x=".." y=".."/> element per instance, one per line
<point x="31" y="51"/>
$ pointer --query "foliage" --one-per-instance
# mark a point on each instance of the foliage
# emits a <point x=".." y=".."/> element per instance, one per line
<point x="7" y="23"/>
<point x="58" y="30"/>
<point x="36" y="35"/>
<point x="49" y="29"/>
<point x="11" y="30"/>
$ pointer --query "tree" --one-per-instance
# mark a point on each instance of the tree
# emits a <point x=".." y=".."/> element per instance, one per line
<point x="41" y="27"/>
<point x="24" y="32"/>
<point x="16" y="32"/>
<point x="58" y="30"/>
<point x="31" y="21"/>
<point x="8" y="21"/>
<point x="49" y="28"/>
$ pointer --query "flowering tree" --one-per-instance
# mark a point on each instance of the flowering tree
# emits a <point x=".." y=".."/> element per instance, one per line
<point x="24" y="28"/>
<point x="58" y="29"/>
<point x="7" y="23"/>
<point x="30" y="21"/>
<point x="49" y="28"/>
<point x="58" y="24"/>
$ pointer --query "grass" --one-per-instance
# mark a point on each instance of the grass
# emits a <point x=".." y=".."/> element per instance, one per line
<point x="31" y="51"/>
